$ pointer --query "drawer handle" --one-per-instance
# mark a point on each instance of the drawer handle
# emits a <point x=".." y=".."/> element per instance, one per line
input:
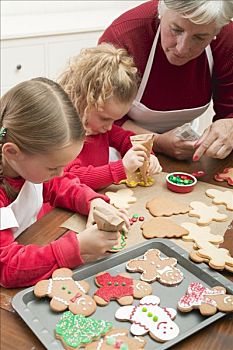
<point x="19" y="66"/>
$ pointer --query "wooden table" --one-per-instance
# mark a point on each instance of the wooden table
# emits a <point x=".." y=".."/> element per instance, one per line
<point x="16" y="335"/>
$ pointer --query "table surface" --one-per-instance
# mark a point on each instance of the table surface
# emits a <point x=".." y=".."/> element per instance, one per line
<point x="15" y="334"/>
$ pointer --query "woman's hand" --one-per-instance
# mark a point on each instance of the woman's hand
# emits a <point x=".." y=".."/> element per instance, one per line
<point x="134" y="158"/>
<point x="154" y="167"/>
<point x="216" y="141"/>
<point x="94" y="243"/>
<point x="122" y="213"/>
<point x="168" y="143"/>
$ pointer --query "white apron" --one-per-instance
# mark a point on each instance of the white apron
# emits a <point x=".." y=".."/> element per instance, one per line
<point x="23" y="212"/>
<point x="162" y="121"/>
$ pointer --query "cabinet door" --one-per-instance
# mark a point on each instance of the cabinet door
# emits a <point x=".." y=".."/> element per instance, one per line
<point x="68" y="46"/>
<point x="21" y="63"/>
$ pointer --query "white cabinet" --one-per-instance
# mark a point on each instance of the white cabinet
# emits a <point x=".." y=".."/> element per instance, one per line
<point x="47" y="56"/>
<point x="61" y="50"/>
<point x="21" y="63"/>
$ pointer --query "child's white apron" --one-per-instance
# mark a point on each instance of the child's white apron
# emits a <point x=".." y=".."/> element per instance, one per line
<point x="23" y="212"/>
<point x="162" y="121"/>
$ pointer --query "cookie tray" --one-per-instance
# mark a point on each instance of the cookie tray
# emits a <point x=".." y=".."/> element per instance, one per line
<point x="42" y="321"/>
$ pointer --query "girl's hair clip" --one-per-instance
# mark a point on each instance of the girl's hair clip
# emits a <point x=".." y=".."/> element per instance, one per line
<point x="2" y="133"/>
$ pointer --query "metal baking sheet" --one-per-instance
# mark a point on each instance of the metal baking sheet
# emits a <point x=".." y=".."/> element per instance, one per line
<point x="42" y="321"/>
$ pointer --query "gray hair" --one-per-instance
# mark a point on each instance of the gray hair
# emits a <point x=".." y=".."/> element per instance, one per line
<point x="200" y="11"/>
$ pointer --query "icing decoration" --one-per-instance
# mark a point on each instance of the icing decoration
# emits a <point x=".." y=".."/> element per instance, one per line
<point x="117" y="339"/>
<point x="153" y="267"/>
<point x="113" y="287"/>
<point x="77" y="330"/>
<point x="149" y="317"/>
<point x="208" y="300"/>
<point x="121" y="288"/>
<point x="65" y="293"/>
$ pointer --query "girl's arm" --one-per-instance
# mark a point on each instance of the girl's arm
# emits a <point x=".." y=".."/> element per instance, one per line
<point x="67" y="192"/>
<point x="23" y="266"/>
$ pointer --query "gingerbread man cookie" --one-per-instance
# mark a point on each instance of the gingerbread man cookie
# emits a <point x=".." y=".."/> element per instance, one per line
<point x="200" y="234"/>
<point x="76" y="331"/>
<point x="206" y="213"/>
<point x="221" y="197"/>
<point x="66" y="293"/>
<point x="218" y="258"/>
<point x="226" y="175"/>
<point x="149" y="317"/>
<point x="207" y="300"/>
<point x="121" y="198"/>
<point x="153" y="268"/>
<point x="161" y="227"/>
<point x="161" y="206"/>
<point x="121" y="288"/>
<point x="117" y="338"/>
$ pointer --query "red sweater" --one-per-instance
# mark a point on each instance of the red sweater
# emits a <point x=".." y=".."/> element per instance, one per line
<point x="171" y="87"/>
<point x="21" y="265"/>
<point x="92" y="165"/>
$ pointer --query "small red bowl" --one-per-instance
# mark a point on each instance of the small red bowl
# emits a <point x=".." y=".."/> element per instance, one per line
<point x="181" y="188"/>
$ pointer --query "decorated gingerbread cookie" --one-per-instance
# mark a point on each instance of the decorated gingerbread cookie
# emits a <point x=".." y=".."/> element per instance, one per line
<point x="121" y="198"/>
<point x="194" y="256"/>
<point x="161" y="206"/>
<point x="207" y="300"/>
<point x="121" y="288"/>
<point x="77" y="331"/>
<point x="66" y="293"/>
<point x="200" y="234"/>
<point x="117" y="339"/>
<point x="206" y="213"/>
<point x="153" y="268"/>
<point x="226" y="175"/>
<point x="221" y="197"/>
<point x="217" y="258"/>
<point x="161" y="227"/>
<point x="149" y="317"/>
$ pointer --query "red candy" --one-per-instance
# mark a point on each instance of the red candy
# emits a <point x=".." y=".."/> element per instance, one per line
<point x="141" y="218"/>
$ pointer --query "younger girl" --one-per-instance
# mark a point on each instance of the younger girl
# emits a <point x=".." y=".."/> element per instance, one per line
<point x="102" y="83"/>
<point x="40" y="133"/>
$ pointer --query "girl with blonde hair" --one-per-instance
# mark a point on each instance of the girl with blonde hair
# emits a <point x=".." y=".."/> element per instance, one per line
<point x="40" y="133"/>
<point x="102" y="83"/>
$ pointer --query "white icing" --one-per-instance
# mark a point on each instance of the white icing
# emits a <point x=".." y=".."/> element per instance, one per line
<point x="228" y="300"/>
<point x="100" y="343"/>
<point x="62" y="278"/>
<point x="63" y="301"/>
<point x="164" y="328"/>
<point x="50" y="286"/>
<point x="80" y="287"/>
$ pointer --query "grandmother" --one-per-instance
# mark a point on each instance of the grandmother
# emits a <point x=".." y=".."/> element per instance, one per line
<point x="184" y="53"/>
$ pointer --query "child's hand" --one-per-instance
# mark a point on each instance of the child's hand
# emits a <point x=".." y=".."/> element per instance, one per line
<point x="134" y="158"/>
<point x="154" y="166"/>
<point x="94" y="243"/>
<point x="122" y="213"/>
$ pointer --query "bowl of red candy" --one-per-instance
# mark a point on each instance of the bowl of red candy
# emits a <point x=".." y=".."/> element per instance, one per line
<point x="180" y="182"/>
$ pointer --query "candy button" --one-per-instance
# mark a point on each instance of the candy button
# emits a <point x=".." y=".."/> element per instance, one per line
<point x="141" y="218"/>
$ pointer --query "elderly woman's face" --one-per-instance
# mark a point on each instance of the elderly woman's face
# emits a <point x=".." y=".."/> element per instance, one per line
<point x="183" y="40"/>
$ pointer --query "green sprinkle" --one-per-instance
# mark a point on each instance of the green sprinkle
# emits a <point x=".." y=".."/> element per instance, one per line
<point x="116" y="283"/>
<point x="135" y="216"/>
<point x="144" y="309"/>
<point x="110" y="340"/>
<point x="109" y="283"/>
<point x="155" y="318"/>
<point x="149" y="314"/>
<point x="123" y="284"/>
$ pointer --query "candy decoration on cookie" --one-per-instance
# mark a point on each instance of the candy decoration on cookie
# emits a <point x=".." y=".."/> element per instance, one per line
<point x="149" y="317"/>
<point x="207" y="300"/>
<point x="117" y="339"/>
<point x="226" y="175"/>
<point x="76" y="331"/>
<point x="153" y="268"/>
<point x="66" y="293"/>
<point x="121" y="288"/>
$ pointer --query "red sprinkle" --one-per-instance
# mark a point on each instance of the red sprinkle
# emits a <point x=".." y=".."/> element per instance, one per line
<point x="134" y="219"/>
<point x="141" y="218"/>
